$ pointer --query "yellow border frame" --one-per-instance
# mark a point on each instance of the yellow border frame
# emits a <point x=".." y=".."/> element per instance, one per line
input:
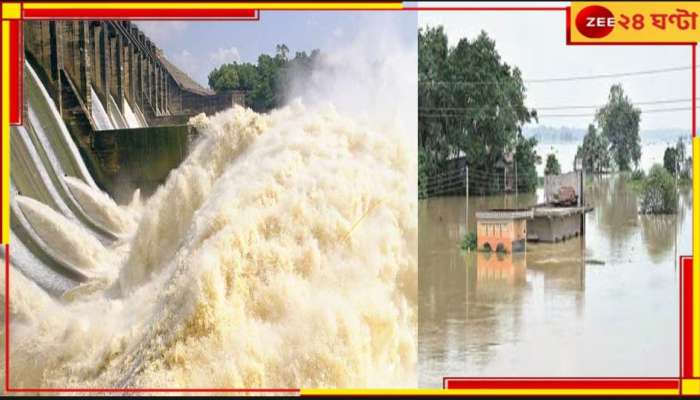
<point x="215" y="6"/>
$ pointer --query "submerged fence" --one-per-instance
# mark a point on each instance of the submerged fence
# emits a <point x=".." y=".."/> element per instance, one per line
<point x="456" y="182"/>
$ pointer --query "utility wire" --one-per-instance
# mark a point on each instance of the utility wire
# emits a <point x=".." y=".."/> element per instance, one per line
<point x="565" y="79"/>
<point x="670" y="101"/>
<point x="648" y="111"/>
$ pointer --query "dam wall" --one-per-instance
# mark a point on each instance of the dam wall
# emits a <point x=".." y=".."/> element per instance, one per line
<point x="120" y="98"/>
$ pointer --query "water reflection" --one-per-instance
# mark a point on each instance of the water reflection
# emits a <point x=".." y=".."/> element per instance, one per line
<point x="590" y="306"/>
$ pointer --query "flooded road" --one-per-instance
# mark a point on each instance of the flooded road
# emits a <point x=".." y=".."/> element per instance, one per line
<point x="603" y="306"/>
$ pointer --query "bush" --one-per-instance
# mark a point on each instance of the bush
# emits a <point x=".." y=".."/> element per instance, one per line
<point x="469" y="241"/>
<point x="659" y="194"/>
<point x="638" y="175"/>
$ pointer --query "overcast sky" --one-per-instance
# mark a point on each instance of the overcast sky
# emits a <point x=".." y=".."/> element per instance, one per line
<point x="533" y="41"/>
<point x="199" y="46"/>
<point x="536" y="43"/>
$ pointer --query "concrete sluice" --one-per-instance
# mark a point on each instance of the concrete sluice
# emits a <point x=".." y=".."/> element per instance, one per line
<point x="44" y="159"/>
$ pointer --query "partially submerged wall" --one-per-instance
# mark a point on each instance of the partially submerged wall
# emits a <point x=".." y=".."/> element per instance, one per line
<point x="140" y="158"/>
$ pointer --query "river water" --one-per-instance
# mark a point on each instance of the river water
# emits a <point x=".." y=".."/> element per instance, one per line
<point x="606" y="305"/>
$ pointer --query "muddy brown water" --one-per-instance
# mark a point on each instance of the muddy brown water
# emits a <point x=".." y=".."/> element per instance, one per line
<point x="603" y="305"/>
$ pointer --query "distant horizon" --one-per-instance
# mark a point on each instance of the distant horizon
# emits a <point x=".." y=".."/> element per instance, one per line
<point x="535" y="43"/>
<point x="578" y="128"/>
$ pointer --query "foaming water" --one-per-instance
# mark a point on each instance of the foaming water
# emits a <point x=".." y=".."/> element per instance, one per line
<point x="66" y="238"/>
<point x="281" y="253"/>
<point x="100" y="206"/>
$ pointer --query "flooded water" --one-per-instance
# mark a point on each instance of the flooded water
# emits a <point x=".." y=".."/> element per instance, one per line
<point x="584" y="307"/>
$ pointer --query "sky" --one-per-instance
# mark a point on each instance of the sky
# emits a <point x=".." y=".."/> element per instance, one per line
<point x="197" y="47"/>
<point x="532" y="41"/>
<point x="535" y="42"/>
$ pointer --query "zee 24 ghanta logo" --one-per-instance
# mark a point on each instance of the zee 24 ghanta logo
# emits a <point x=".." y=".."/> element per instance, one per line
<point x="596" y="22"/>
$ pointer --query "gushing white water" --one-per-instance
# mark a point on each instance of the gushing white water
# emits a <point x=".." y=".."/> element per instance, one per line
<point x="65" y="237"/>
<point x="132" y="120"/>
<point x="99" y="113"/>
<point x="115" y="114"/>
<point x="99" y="206"/>
<point x="280" y="253"/>
<point x="60" y="125"/>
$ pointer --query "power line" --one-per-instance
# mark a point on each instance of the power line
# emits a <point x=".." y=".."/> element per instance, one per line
<point x="614" y="75"/>
<point x="648" y="111"/>
<point x="566" y="79"/>
<point x="670" y="101"/>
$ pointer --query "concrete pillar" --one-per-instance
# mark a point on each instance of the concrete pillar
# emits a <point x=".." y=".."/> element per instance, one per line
<point x="104" y="63"/>
<point x="75" y="52"/>
<point x="131" y="87"/>
<point x="85" y="70"/>
<point x="94" y="54"/>
<point x="140" y="84"/>
<point x="166" y="86"/>
<point x="147" y="79"/>
<point x="113" y="72"/>
<point x="41" y="42"/>
<point x="158" y="89"/>
<point x="119" y="72"/>
<point x="57" y="44"/>
<point x="67" y="37"/>
<point x="152" y="82"/>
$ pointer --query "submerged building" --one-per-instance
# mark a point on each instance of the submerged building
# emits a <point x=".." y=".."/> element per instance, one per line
<point x="560" y="217"/>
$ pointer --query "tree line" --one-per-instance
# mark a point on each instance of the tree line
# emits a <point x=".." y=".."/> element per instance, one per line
<point x="471" y="106"/>
<point x="613" y="143"/>
<point x="267" y="82"/>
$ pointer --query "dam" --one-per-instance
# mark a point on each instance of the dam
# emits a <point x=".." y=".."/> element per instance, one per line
<point x="123" y="102"/>
<point x="104" y="113"/>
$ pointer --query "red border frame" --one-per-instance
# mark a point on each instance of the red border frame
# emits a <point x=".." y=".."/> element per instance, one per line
<point x="685" y="306"/>
<point x="685" y="286"/>
<point x="144" y="14"/>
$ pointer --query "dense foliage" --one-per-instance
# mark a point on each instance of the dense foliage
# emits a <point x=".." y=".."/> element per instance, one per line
<point x="594" y="153"/>
<point x="468" y="242"/>
<point x="676" y="162"/>
<point x="619" y="124"/>
<point x="659" y="195"/>
<point x="526" y="159"/>
<point x="552" y="166"/>
<point x="471" y="104"/>
<point x="266" y="83"/>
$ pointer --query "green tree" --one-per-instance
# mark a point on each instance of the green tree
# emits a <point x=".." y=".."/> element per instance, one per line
<point x="437" y="134"/>
<point x="266" y="83"/>
<point x="594" y="152"/>
<point x="671" y="160"/>
<point x="552" y="166"/>
<point x="470" y="102"/>
<point x="659" y="194"/>
<point x="684" y="163"/>
<point x="224" y="78"/>
<point x="526" y="159"/>
<point x="619" y="123"/>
